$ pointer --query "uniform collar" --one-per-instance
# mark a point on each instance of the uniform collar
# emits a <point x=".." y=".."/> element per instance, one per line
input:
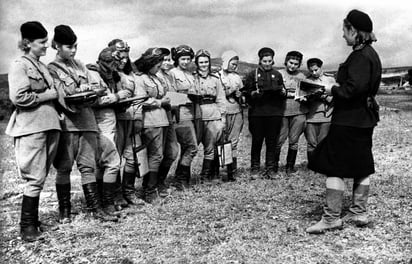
<point x="320" y="78"/>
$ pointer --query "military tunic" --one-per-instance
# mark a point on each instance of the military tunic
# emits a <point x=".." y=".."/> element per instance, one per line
<point x="35" y="123"/>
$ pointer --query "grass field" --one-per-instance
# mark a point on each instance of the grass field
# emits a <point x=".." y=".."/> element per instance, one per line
<point x="261" y="221"/>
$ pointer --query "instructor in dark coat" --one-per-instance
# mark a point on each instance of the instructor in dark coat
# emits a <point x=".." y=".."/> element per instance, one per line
<point x="347" y="150"/>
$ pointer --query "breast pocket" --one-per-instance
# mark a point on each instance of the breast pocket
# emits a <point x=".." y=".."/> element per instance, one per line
<point x="151" y="90"/>
<point x="82" y="77"/>
<point x="36" y="81"/>
<point x="211" y="90"/>
<point x="68" y="81"/>
<point x="182" y="84"/>
<point x="130" y="85"/>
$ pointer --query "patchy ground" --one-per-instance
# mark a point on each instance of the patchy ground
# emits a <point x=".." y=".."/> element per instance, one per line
<point x="261" y="221"/>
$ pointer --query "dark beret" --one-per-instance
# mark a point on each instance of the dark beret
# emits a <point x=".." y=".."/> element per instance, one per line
<point x="266" y="52"/>
<point x="33" y="30"/>
<point x="64" y="35"/>
<point x="294" y="54"/>
<point x="315" y="61"/>
<point x="360" y="20"/>
<point x="165" y="51"/>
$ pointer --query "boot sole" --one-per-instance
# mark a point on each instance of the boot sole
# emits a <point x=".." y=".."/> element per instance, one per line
<point x="319" y="232"/>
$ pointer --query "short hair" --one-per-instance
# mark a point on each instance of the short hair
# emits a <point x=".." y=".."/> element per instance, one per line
<point x="23" y="44"/>
<point x="294" y="55"/>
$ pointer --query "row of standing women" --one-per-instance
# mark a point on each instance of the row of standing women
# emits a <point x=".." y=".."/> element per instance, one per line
<point x="50" y="130"/>
<point x="96" y="136"/>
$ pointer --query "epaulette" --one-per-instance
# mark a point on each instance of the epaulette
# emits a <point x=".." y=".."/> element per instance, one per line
<point x="214" y="75"/>
<point x="92" y="67"/>
<point x="328" y="74"/>
<point x="138" y="73"/>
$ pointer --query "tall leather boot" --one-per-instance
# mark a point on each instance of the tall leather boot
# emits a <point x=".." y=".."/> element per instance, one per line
<point x="37" y="222"/>
<point x="140" y="191"/>
<point x="271" y="165"/>
<point x="186" y="170"/>
<point x="276" y="157"/>
<point x="206" y="173"/>
<point x="92" y="202"/>
<point x="331" y="213"/>
<point x="182" y="181"/>
<point x="290" y="160"/>
<point x="357" y="211"/>
<point x="230" y="173"/>
<point x="109" y="191"/>
<point x="100" y="187"/>
<point x="161" y="185"/>
<point x="63" y="195"/>
<point x="234" y="166"/>
<point x="309" y="154"/>
<point x="151" y="192"/>
<point x="255" y="166"/>
<point x="216" y="168"/>
<point x="119" y="201"/>
<point x="128" y="189"/>
<point x="28" y="226"/>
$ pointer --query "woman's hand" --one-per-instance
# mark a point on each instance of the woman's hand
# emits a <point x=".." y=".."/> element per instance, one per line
<point x="165" y="103"/>
<point x="108" y="99"/>
<point x="328" y="88"/>
<point x="223" y="120"/>
<point x="256" y="94"/>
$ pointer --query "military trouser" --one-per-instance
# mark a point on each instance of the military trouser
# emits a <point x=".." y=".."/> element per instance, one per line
<point x="315" y="133"/>
<point x="157" y="150"/>
<point x="210" y="133"/>
<point x="186" y="136"/>
<point x="264" y="128"/>
<point x="34" y="155"/>
<point x="234" y="125"/>
<point x="125" y="143"/>
<point x="171" y="148"/>
<point x="292" y="128"/>
<point x="80" y="147"/>
<point x="108" y="159"/>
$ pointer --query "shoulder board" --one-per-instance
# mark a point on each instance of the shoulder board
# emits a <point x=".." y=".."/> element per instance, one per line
<point x="92" y="67"/>
<point x="327" y="74"/>
<point x="138" y="73"/>
<point x="214" y="75"/>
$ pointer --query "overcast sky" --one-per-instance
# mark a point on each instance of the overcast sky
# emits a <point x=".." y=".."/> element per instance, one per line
<point x="313" y="27"/>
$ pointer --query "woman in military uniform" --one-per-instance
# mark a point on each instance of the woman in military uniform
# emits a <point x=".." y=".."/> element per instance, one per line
<point x="212" y="108"/>
<point x="232" y="84"/>
<point x="346" y="152"/>
<point x="184" y="82"/>
<point x="155" y="121"/>
<point x="265" y="92"/>
<point x="34" y="124"/>
<point x="78" y="140"/>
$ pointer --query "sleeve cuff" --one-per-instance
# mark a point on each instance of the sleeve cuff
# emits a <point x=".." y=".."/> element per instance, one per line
<point x="333" y="90"/>
<point x="46" y="96"/>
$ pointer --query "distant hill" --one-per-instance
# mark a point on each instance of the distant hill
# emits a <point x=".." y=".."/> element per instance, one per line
<point x="5" y="104"/>
<point x="3" y="81"/>
<point x="390" y="76"/>
<point x="244" y="67"/>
